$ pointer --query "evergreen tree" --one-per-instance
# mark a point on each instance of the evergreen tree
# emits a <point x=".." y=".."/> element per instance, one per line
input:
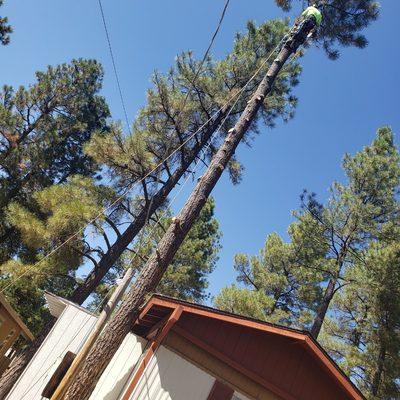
<point x="62" y="210"/>
<point x="162" y="126"/>
<point x="339" y="270"/>
<point x="187" y="276"/>
<point x="364" y="333"/>
<point x="5" y="28"/>
<point x="282" y="283"/>
<point x="42" y="132"/>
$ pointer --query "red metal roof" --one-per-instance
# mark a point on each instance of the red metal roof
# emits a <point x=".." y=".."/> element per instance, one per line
<point x="286" y="361"/>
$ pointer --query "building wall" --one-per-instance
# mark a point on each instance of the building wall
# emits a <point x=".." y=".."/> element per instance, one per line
<point x="219" y="369"/>
<point x="68" y="334"/>
<point x="170" y="377"/>
<point x="118" y="371"/>
<point x="9" y="331"/>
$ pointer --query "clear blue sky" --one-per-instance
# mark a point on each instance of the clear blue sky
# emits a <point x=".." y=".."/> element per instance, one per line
<point x="341" y="103"/>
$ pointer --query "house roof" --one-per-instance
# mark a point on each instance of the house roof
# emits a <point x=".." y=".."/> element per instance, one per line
<point x="57" y="305"/>
<point x="291" y="352"/>
<point x="24" y="329"/>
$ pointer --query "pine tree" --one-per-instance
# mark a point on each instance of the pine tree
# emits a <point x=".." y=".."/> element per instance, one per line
<point x="120" y="324"/>
<point x="355" y="211"/>
<point x="342" y="24"/>
<point x="364" y="333"/>
<point x="349" y="248"/>
<point x="60" y="211"/>
<point x="42" y="132"/>
<point x="187" y="276"/>
<point x="5" y="28"/>
<point x="282" y="283"/>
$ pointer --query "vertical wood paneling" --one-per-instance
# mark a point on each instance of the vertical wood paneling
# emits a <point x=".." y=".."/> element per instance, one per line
<point x="68" y="334"/>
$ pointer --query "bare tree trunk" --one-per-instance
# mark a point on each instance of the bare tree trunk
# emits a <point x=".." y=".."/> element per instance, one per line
<point x="83" y="291"/>
<point x="150" y="276"/>
<point x="323" y="309"/>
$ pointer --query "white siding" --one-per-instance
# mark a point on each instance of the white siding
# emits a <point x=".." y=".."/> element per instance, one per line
<point x="119" y="369"/>
<point x="239" y="396"/>
<point x="170" y="377"/>
<point x="68" y="334"/>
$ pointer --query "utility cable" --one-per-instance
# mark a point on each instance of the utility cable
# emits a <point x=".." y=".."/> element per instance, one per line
<point x="114" y="64"/>
<point x="206" y="54"/>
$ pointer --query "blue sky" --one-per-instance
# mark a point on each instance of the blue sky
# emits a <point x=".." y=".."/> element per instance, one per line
<point x="341" y="103"/>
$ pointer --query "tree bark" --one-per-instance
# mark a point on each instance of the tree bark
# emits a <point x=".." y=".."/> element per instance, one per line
<point x="121" y="323"/>
<point x="83" y="291"/>
<point x="323" y="309"/>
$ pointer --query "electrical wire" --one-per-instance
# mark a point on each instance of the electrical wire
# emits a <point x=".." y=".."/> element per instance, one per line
<point x="221" y="19"/>
<point x="114" y="64"/>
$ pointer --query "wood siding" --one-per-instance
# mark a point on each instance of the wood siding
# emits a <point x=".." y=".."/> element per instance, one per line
<point x="218" y="369"/>
<point x="119" y="370"/>
<point x="67" y="334"/>
<point x="170" y="377"/>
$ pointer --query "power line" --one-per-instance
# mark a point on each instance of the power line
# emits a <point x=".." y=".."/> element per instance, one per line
<point x="207" y="52"/>
<point x="114" y="64"/>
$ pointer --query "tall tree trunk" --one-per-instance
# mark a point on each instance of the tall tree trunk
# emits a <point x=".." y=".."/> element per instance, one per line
<point x="83" y="291"/>
<point x="323" y="309"/>
<point x="150" y="276"/>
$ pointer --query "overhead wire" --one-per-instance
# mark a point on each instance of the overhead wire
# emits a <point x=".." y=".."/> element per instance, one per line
<point x="176" y="195"/>
<point x="114" y="64"/>
<point x="221" y="19"/>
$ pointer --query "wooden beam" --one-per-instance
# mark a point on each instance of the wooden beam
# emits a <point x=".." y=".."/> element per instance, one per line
<point x="220" y="391"/>
<point x="151" y="349"/>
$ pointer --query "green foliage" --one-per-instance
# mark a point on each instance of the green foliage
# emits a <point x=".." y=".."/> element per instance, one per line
<point x="164" y="124"/>
<point x="61" y="211"/>
<point x="187" y="276"/>
<point x="351" y="242"/>
<point x="364" y="336"/>
<point x="5" y="28"/>
<point x="42" y="132"/>
<point x="280" y="285"/>
<point x="342" y="22"/>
